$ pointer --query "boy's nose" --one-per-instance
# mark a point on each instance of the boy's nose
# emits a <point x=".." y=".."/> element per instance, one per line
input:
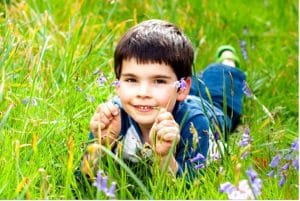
<point x="143" y="90"/>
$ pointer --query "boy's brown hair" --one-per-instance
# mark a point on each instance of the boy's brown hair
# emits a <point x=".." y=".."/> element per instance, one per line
<point x="156" y="41"/>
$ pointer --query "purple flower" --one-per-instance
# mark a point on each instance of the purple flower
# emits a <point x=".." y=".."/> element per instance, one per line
<point x="246" y="139"/>
<point x="295" y="145"/>
<point x="275" y="161"/>
<point x="33" y="101"/>
<point x="116" y="83"/>
<point x="99" y="181"/>
<point x="245" y="191"/>
<point x="285" y="166"/>
<point x="197" y="158"/>
<point x="101" y="80"/>
<point x="247" y="131"/>
<point x="282" y="180"/>
<point x="215" y="156"/>
<point x="227" y="188"/>
<point x="242" y="192"/>
<point x="200" y="158"/>
<point x="199" y="166"/>
<point x="216" y="135"/>
<point x="111" y="190"/>
<point x="255" y="181"/>
<point x="271" y="173"/>
<point x="180" y="84"/>
<point x="243" y="45"/>
<point x="246" y="89"/>
<point x="296" y="164"/>
<point x="101" y="184"/>
<point x="245" y="154"/>
<point x="25" y="101"/>
<point x="256" y="186"/>
<point x="244" y="142"/>
<point x="251" y="174"/>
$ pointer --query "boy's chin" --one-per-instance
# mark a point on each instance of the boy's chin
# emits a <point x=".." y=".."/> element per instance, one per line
<point x="144" y="121"/>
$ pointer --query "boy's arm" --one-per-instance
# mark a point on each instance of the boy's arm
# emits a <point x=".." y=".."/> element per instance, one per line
<point x="105" y="127"/>
<point x="189" y="146"/>
<point x="164" y="137"/>
<point x="173" y="165"/>
<point x="106" y="123"/>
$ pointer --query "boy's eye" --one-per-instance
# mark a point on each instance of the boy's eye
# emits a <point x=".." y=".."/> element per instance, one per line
<point x="160" y="81"/>
<point x="130" y="80"/>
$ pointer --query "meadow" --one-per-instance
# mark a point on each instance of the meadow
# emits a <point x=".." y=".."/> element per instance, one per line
<point x="53" y="52"/>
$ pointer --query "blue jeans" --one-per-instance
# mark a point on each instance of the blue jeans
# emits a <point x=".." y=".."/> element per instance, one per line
<point x="224" y="85"/>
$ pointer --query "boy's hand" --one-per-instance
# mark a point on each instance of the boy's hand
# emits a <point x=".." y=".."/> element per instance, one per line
<point x="106" y="122"/>
<point x="166" y="131"/>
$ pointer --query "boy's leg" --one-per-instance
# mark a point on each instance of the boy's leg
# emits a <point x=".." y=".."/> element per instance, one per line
<point x="219" y="79"/>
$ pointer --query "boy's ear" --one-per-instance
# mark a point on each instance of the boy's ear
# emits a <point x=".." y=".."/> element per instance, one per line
<point x="183" y="93"/>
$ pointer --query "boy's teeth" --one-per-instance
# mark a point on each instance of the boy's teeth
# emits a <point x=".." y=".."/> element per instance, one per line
<point x="144" y="107"/>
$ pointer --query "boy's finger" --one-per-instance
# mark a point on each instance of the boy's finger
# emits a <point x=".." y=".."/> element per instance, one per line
<point x="114" y="108"/>
<point x="105" y="112"/>
<point x="162" y="132"/>
<point x="99" y="108"/>
<point x="171" y="137"/>
<point x="167" y="123"/>
<point x="164" y="115"/>
<point x="95" y="125"/>
<point x="97" y="118"/>
<point x="110" y="110"/>
<point x="104" y="119"/>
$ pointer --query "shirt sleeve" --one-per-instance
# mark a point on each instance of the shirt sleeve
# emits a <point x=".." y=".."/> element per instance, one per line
<point x="186" y="149"/>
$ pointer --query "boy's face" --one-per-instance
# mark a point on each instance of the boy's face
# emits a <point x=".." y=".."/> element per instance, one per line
<point x="145" y="88"/>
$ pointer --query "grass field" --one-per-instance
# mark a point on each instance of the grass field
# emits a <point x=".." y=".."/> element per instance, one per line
<point x="51" y="53"/>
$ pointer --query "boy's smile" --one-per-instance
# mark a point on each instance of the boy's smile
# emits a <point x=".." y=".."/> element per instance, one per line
<point x="144" y="108"/>
<point x="145" y="88"/>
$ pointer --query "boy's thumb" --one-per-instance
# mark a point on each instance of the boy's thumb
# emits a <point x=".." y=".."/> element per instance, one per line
<point x="116" y="121"/>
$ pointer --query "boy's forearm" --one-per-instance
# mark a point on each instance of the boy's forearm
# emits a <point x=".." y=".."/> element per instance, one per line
<point x="172" y="166"/>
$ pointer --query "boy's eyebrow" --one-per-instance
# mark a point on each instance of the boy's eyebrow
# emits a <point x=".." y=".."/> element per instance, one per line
<point x="153" y="76"/>
<point x="128" y="74"/>
<point x="161" y="77"/>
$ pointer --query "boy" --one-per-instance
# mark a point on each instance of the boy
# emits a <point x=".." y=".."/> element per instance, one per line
<point x="153" y="66"/>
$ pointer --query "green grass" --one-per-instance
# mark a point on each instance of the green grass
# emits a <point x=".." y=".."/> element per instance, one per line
<point x="50" y="50"/>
